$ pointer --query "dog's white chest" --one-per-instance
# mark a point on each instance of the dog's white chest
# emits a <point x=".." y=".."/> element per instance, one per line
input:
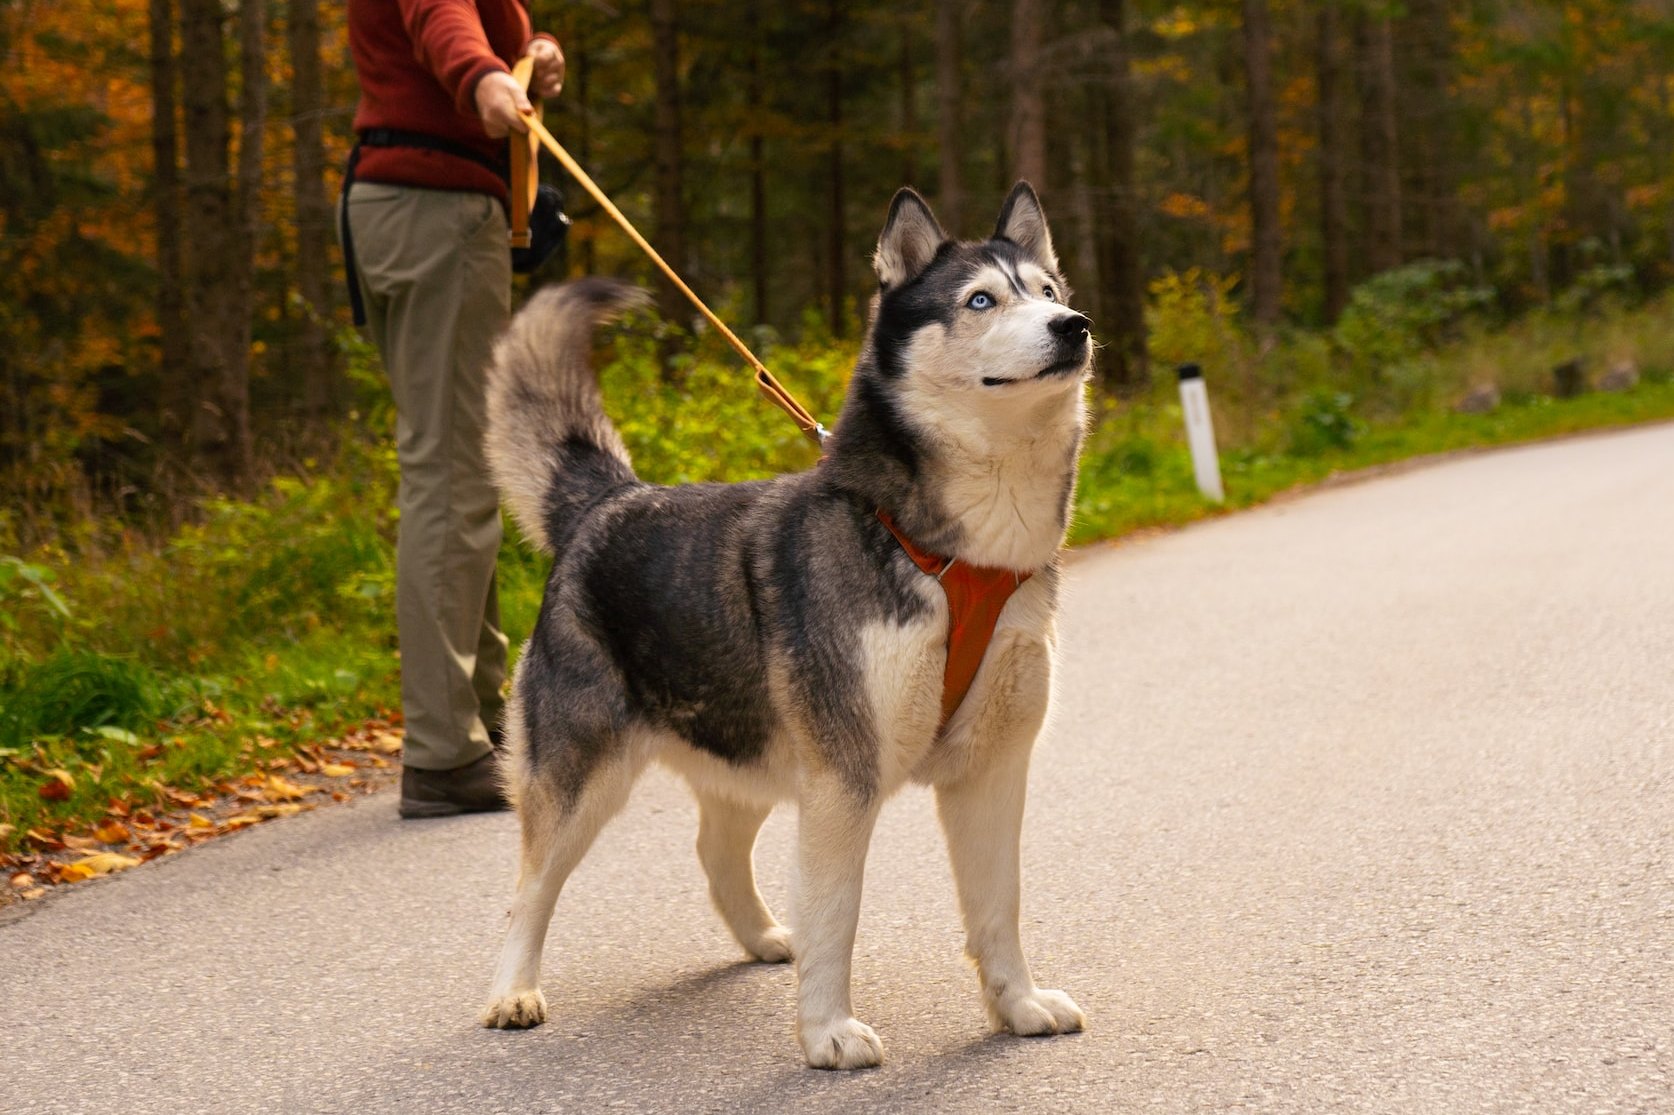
<point x="902" y="666"/>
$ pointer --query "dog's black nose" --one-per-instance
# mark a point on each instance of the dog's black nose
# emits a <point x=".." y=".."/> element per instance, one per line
<point x="1071" y="325"/>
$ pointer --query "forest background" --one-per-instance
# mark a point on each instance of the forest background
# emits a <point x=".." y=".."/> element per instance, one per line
<point x="1380" y="226"/>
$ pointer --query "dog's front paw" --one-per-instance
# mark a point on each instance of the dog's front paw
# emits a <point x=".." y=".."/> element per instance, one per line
<point x="1038" y="1012"/>
<point x="517" y="1011"/>
<point x="772" y="947"/>
<point x="847" y="1043"/>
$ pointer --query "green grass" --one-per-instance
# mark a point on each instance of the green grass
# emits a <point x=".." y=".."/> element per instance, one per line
<point x="139" y="665"/>
<point x="80" y="689"/>
<point x="1132" y="480"/>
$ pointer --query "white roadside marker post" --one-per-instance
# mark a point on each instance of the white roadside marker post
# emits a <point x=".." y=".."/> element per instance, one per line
<point x="1200" y="432"/>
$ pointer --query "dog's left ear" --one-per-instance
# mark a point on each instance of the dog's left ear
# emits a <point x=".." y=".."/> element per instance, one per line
<point x="910" y="238"/>
<point x="1023" y="222"/>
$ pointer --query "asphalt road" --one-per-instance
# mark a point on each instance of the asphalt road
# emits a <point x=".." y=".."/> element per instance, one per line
<point x="1361" y="801"/>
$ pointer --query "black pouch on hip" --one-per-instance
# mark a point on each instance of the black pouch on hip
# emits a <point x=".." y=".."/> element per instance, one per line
<point x="549" y="227"/>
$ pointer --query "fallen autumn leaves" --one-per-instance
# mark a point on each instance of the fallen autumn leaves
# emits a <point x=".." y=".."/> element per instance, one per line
<point x="129" y="834"/>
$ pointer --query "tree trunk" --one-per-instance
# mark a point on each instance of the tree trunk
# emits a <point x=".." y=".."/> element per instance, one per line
<point x="1539" y="255"/>
<point x="909" y="100"/>
<point x="1595" y="122"/>
<point x="1432" y="223"/>
<point x="1026" y="132"/>
<point x="670" y="192"/>
<point x="1380" y="163"/>
<point x="1665" y="149"/>
<point x="1265" y="264"/>
<point x="950" y="201"/>
<point x="1578" y="192"/>
<point x="212" y="266"/>
<point x="758" y="170"/>
<point x="836" y="271"/>
<point x="237" y="465"/>
<point x="320" y="395"/>
<point x="173" y="377"/>
<point x="1125" y="367"/>
<point x="1333" y="159"/>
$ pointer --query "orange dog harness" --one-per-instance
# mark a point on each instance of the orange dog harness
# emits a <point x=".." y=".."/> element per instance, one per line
<point x="975" y="598"/>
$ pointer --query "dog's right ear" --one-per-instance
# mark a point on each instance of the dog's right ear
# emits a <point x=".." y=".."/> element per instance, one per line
<point x="1023" y="222"/>
<point x="909" y="239"/>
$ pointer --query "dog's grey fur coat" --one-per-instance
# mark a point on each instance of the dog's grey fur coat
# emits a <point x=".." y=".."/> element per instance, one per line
<point x="772" y="640"/>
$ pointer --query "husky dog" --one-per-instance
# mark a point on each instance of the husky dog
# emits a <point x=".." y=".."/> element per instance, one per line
<point x="774" y="641"/>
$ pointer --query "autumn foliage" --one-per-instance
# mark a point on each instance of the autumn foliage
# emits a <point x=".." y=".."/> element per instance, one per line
<point x="1531" y="140"/>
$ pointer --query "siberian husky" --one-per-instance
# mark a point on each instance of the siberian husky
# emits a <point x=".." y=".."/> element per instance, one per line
<point x="775" y="641"/>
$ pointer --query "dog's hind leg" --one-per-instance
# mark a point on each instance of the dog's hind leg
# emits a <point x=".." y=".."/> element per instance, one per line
<point x="982" y="815"/>
<point x="556" y="835"/>
<point x="835" y="829"/>
<point x="725" y="845"/>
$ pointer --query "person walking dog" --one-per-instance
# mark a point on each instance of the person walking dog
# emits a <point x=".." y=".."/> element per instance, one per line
<point x="424" y="229"/>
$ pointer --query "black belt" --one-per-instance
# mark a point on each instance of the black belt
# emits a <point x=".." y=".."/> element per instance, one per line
<point x="397" y="137"/>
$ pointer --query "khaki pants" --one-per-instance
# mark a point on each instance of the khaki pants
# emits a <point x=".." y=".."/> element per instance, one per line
<point x="436" y="277"/>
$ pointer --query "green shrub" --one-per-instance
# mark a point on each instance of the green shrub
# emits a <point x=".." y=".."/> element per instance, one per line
<point x="301" y="556"/>
<point x="76" y="691"/>
<point x="26" y="590"/>
<point x="1593" y="286"/>
<point x="711" y="424"/>
<point x="1323" y="422"/>
<point x="1192" y="317"/>
<point x="1396" y="321"/>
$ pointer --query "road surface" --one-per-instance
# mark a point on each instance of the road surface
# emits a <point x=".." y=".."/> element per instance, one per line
<point x="1361" y="801"/>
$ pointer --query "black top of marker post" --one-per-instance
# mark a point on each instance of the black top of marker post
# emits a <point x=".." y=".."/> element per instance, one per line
<point x="1188" y="371"/>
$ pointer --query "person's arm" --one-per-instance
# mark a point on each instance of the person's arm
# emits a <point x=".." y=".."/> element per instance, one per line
<point x="449" y="41"/>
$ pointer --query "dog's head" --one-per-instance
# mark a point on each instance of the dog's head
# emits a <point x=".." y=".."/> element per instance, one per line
<point x="980" y="327"/>
<point x="971" y="376"/>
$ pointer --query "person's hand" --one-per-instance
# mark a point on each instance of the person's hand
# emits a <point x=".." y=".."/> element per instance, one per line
<point x="501" y="102"/>
<point x="548" y="77"/>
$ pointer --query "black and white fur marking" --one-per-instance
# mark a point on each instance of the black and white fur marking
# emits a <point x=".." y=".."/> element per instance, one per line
<point x="771" y="641"/>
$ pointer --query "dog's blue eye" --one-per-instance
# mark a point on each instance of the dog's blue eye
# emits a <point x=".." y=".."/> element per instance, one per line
<point x="981" y="300"/>
<point x="1050" y="293"/>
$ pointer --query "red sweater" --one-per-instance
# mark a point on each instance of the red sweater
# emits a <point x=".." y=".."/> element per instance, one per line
<point x="419" y="62"/>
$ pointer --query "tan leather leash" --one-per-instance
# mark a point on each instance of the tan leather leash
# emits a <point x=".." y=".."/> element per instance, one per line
<point x="525" y="169"/>
<point x="523" y="182"/>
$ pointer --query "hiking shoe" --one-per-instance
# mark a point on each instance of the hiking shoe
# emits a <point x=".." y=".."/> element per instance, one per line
<point x="472" y="788"/>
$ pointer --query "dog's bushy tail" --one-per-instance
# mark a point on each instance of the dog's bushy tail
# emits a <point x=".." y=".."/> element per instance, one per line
<point x="549" y="444"/>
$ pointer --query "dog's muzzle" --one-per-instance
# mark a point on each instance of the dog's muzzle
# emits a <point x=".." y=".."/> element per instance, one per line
<point x="1071" y="333"/>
